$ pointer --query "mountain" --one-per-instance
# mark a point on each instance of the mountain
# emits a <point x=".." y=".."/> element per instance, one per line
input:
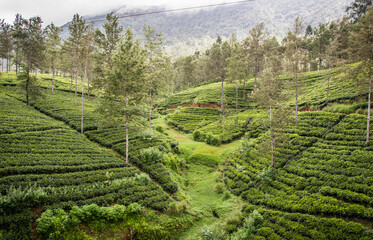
<point x="186" y="31"/>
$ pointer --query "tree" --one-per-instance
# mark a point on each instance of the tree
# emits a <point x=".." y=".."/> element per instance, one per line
<point x="123" y="90"/>
<point x="361" y="50"/>
<point x="88" y="49"/>
<point x="295" y="55"/>
<point x="269" y="93"/>
<point x="74" y="44"/>
<point x="236" y="69"/>
<point x="255" y="42"/>
<point x="323" y="37"/>
<point x="358" y="8"/>
<point x="6" y="43"/>
<point x="31" y="41"/>
<point x="16" y="33"/>
<point x="169" y="75"/>
<point x="188" y="69"/>
<point x="106" y="43"/>
<point x="218" y="54"/>
<point x="154" y="62"/>
<point x="53" y="46"/>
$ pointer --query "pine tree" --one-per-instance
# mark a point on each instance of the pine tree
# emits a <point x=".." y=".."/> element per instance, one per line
<point x="106" y="42"/>
<point x="236" y="69"/>
<point x="6" y="43"/>
<point x="361" y="42"/>
<point x="124" y="86"/>
<point x="154" y="62"/>
<point x="74" y="45"/>
<point x="53" y="47"/>
<point x="295" y="55"/>
<point x="31" y="41"/>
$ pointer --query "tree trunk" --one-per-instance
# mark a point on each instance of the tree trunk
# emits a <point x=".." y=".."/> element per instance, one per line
<point x="27" y="87"/>
<point x="150" y="109"/>
<point x="53" y="75"/>
<point x="222" y="95"/>
<point x="320" y="63"/>
<point x="327" y="92"/>
<point x="7" y="65"/>
<point x="17" y="62"/>
<point x="272" y="135"/>
<point x="127" y="132"/>
<point x="244" y="85"/>
<point x="76" y="84"/>
<point x="369" y="102"/>
<point x="85" y="75"/>
<point x="296" y="94"/>
<point x="256" y="68"/>
<point x="236" y="97"/>
<point x="88" y="77"/>
<point x="2" y="65"/>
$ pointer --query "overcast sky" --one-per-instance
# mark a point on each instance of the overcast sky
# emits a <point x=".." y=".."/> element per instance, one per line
<point x="61" y="11"/>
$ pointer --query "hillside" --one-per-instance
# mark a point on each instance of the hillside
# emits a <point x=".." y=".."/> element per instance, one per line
<point x="213" y="173"/>
<point x="184" y="32"/>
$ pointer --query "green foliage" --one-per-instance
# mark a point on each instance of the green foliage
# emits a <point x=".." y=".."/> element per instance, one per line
<point x="159" y="128"/>
<point x="53" y="224"/>
<point x="321" y="171"/>
<point x="190" y="119"/>
<point x="210" y="95"/>
<point x="251" y="224"/>
<point x="150" y="156"/>
<point x="204" y="159"/>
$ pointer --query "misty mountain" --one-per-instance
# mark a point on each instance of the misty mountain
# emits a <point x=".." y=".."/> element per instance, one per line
<point x="187" y="31"/>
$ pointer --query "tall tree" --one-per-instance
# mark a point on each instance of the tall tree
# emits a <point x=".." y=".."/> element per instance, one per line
<point x="16" y="33"/>
<point x="74" y="44"/>
<point x="255" y="43"/>
<point x="154" y="62"/>
<point x="361" y="49"/>
<point x="322" y="38"/>
<point x="236" y="69"/>
<point x="32" y="46"/>
<point x="358" y="8"/>
<point x="188" y="70"/>
<point x="123" y="90"/>
<point x="217" y="63"/>
<point x="6" y="43"/>
<point x="269" y="93"/>
<point x="106" y="43"/>
<point x="88" y="49"/>
<point x="53" y="46"/>
<point x="295" y="55"/>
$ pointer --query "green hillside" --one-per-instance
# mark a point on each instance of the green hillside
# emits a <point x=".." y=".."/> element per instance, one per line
<point x="320" y="188"/>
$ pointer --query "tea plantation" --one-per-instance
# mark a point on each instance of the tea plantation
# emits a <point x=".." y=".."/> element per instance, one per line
<point x="213" y="176"/>
<point x="322" y="178"/>
<point x="46" y="164"/>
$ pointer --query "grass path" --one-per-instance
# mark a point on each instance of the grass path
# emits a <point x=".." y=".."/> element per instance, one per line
<point x="205" y="190"/>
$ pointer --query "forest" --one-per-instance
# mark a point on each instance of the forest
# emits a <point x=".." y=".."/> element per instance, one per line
<point x="105" y="136"/>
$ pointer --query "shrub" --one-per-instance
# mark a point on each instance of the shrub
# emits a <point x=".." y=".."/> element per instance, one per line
<point x="52" y="224"/>
<point x="207" y="160"/>
<point x="150" y="156"/>
<point x="219" y="188"/>
<point x="159" y="128"/>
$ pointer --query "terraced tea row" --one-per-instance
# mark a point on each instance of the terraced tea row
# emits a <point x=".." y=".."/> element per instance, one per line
<point x="211" y="126"/>
<point x="57" y="167"/>
<point x="316" y="173"/>
<point x="115" y="138"/>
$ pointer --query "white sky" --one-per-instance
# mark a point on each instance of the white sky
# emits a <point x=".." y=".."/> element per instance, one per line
<point x="61" y="11"/>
